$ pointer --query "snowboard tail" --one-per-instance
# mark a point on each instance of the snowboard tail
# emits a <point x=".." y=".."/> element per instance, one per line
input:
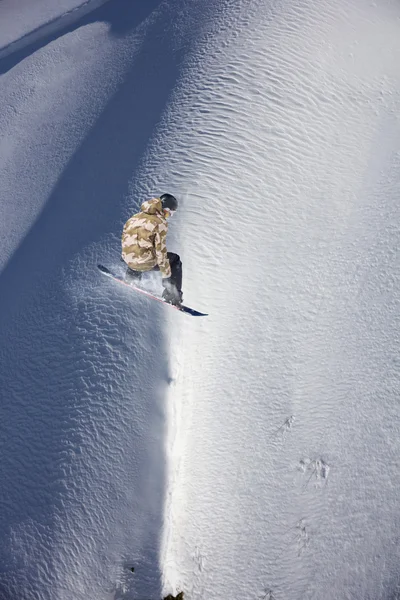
<point x="181" y="308"/>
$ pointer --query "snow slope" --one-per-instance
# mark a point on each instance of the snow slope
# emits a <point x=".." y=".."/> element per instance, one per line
<point x="252" y="454"/>
<point x="24" y="21"/>
<point x="285" y="478"/>
<point x="82" y="427"/>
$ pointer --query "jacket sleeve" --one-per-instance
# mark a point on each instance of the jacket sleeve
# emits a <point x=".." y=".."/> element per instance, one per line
<point x="161" y="250"/>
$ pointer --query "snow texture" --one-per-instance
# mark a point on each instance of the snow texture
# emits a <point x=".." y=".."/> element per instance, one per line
<point x="25" y="21"/>
<point x="253" y="454"/>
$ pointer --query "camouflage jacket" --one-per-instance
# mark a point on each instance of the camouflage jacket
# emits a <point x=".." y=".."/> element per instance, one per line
<point x="144" y="239"/>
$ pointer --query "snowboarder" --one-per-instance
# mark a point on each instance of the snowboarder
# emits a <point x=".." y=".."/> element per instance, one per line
<point x="144" y="246"/>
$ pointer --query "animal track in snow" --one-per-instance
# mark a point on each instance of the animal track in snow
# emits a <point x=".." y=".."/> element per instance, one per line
<point x="267" y="595"/>
<point x="318" y="470"/>
<point x="298" y="534"/>
<point x="198" y="558"/>
<point x="285" y="427"/>
<point x="303" y="538"/>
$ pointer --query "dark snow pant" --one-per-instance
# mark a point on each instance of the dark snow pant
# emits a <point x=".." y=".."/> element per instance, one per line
<point x="176" y="271"/>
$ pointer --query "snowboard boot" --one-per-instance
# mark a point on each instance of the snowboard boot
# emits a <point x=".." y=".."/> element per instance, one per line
<point x="132" y="277"/>
<point x="172" y="298"/>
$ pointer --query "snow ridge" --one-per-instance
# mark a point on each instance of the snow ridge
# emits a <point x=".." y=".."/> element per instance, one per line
<point x="63" y="20"/>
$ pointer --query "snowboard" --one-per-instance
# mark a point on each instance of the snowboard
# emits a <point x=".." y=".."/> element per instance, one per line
<point x="181" y="308"/>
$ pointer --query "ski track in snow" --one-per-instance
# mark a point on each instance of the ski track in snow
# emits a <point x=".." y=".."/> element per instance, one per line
<point x="252" y="454"/>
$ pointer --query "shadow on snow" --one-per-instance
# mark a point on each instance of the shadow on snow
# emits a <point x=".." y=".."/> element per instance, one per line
<point x="63" y="440"/>
<point x="114" y="12"/>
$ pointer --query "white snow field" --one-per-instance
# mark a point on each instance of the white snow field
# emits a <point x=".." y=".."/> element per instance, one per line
<point x="251" y="454"/>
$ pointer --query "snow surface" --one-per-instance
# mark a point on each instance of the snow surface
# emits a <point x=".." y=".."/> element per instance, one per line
<point x="23" y="21"/>
<point x="251" y="454"/>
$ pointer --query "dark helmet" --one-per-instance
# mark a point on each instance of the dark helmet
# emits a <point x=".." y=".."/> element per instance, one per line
<point x="169" y="201"/>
